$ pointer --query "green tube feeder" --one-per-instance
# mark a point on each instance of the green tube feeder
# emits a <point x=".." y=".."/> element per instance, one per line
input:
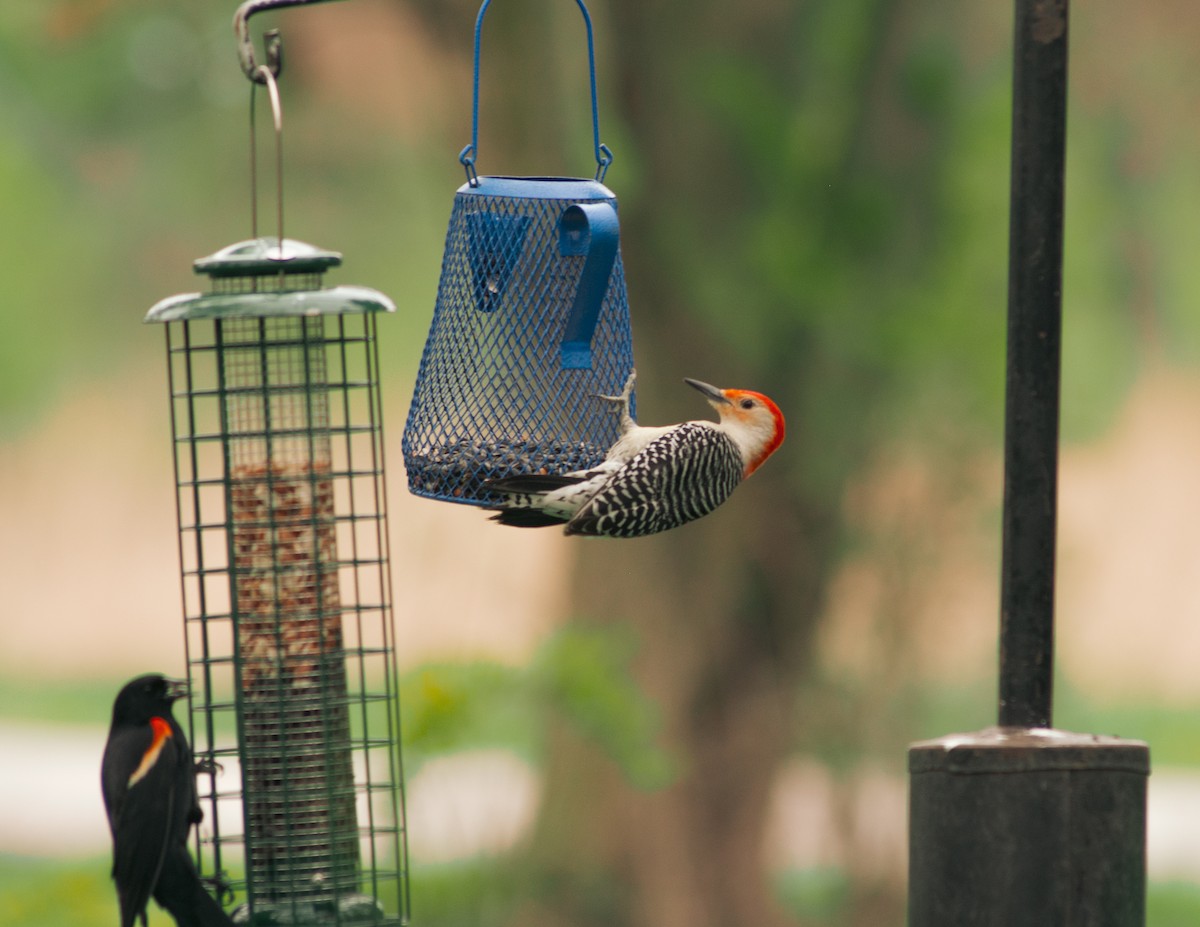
<point x="278" y="447"/>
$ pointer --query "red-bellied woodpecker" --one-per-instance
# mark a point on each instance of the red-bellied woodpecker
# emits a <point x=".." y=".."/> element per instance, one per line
<point x="653" y="478"/>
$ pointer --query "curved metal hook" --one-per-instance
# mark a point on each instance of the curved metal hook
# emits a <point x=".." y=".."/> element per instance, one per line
<point x="274" y="49"/>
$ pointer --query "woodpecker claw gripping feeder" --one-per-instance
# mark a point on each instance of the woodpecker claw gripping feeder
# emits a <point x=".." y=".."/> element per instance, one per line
<point x="277" y="425"/>
<point x="530" y="327"/>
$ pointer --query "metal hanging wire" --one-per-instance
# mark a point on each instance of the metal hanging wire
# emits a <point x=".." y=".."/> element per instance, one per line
<point x="603" y="154"/>
<point x="265" y="76"/>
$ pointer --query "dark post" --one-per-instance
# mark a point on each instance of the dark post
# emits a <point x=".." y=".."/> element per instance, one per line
<point x="1020" y="823"/>
<point x="1034" y="340"/>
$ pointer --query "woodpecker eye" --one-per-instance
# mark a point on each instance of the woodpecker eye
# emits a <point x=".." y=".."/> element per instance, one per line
<point x="747" y="403"/>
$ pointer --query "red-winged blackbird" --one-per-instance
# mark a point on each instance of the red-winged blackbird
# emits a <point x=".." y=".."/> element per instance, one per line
<point x="149" y="784"/>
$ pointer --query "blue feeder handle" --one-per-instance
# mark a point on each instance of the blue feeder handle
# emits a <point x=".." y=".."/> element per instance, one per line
<point x="467" y="156"/>
<point x="590" y="229"/>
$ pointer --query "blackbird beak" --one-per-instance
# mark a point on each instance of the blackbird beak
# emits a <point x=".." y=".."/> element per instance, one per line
<point x="177" y="689"/>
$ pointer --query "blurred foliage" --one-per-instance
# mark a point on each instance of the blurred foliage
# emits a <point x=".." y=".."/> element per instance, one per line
<point x="835" y="225"/>
<point x="125" y="157"/>
<point x="583" y="674"/>
<point x="477" y="893"/>
<point x="460" y="706"/>
<point x="1172" y="904"/>
<point x="46" y="893"/>
<point x="815" y="895"/>
<point x="579" y="675"/>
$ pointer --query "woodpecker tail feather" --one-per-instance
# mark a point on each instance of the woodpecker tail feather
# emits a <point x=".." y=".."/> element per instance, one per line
<point x="524" y="498"/>
<point x="526" y="518"/>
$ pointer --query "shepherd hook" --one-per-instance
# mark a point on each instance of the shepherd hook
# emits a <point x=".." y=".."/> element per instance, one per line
<point x="241" y="29"/>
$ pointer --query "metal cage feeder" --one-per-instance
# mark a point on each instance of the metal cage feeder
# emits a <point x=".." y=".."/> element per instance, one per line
<point x="277" y="426"/>
<point x="531" y="325"/>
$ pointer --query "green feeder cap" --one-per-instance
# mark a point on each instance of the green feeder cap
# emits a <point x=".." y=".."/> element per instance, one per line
<point x="259" y="278"/>
<point x="260" y="256"/>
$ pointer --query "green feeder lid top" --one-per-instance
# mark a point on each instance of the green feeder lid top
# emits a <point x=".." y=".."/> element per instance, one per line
<point x="260" y="256"/>
<point x="258" y="278"/>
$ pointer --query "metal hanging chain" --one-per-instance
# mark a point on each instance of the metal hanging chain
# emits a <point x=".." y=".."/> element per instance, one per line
<point x="466" y="157"/>
<point x="241" y="29"/>
<point x="264" y="75"/>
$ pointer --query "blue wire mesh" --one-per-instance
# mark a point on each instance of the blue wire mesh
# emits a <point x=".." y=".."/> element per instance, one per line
<point x="493" y="397"/>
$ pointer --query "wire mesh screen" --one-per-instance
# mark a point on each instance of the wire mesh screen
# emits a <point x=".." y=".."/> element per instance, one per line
<point x="493" y="396"/>
<point x="287" y="604"/>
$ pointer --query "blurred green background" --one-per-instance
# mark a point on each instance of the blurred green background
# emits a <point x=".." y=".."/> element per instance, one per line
<point x="707" y="727"/>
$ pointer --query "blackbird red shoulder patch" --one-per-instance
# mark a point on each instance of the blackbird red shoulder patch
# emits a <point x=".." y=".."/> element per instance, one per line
<point x="162" y="733"/>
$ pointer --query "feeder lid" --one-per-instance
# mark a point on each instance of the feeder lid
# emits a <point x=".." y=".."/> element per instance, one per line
<point x="259" y="256"/>
<point x="539" y="188"/>
<point x="279" y="283"/>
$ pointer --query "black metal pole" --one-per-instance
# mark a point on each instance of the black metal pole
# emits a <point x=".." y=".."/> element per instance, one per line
<point x="1021" y="823"/>
<point x="1034" y="340"/>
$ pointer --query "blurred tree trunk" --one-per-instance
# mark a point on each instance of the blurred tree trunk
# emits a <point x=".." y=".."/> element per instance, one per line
<point x="724" y="613"/>
<point x="726" y="608"/>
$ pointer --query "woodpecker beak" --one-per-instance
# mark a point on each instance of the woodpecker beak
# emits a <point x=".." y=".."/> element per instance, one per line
<point x="177" y="689"/>
<point x="711" y="393"/>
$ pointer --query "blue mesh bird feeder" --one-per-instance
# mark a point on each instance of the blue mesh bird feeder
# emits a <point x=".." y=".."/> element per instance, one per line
<point x="278" y="448"/>
<point x="530" y="326"/>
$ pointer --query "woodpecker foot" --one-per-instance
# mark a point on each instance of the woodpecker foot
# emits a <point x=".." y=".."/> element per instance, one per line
<point x="622" y="400"/>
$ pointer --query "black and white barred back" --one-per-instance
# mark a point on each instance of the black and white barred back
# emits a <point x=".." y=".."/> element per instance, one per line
<point x="677" y="478"/>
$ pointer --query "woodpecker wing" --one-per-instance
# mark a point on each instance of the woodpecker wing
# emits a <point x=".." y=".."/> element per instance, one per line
<point x="678" y="477"/>
<point x="140" y="782"/>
